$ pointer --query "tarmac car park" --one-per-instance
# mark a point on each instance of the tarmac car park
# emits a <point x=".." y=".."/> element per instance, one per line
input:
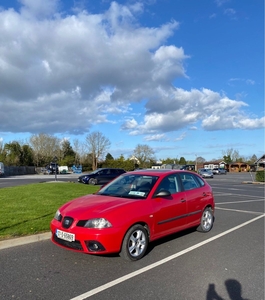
<point x="226" y="263"/>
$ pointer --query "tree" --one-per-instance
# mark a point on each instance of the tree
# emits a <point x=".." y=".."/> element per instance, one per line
<point x="97" y="145"/>
<point x="230" y="154"/>
<point x="169" y="161"/>
<point x="68" y="154"/>
<point x="13" y="153"/>
<point x="27" y="156"/>
<point x="45" y="148"/>
<point x="80" y="153"/>
<point x="109" y="157"/>
<point x="200" y="160"/>
<point x="227" y="159"/>
<point x="67" y="149"/>
<point x="182" y="161"/>
<point x="253" y="159"/>
<point x="144" y="154"/>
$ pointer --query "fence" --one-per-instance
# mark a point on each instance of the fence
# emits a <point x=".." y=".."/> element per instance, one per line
<point x="11" y="171"/>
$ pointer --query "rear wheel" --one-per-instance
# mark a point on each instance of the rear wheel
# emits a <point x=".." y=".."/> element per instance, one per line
<point x="206" y="220"/>
<point x="135" y="243"/>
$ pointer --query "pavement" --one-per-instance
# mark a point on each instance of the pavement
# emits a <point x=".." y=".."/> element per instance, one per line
<point x="24" y="240"/>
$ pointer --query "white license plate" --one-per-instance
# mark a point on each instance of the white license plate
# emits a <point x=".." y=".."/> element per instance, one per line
<point x="70" y="237"/>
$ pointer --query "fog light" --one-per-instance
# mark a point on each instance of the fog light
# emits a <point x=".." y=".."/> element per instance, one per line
<point x="94" y="246"/>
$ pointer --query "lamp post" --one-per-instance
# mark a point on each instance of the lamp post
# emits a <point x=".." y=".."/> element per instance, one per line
<point x="55" y="159"/>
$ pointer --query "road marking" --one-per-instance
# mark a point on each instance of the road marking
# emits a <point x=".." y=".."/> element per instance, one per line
<point x="242" y="211"/>
<point x="230" y="194"/>
<point x="163" y="261"/>
<point x="236" y="202"/>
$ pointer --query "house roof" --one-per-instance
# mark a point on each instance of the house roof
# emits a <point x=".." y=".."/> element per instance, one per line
<point x="261" y="159"/>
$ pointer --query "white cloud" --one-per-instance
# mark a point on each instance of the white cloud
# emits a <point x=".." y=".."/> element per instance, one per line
<point x="230" y="12"/>
<point x="182" y="109"/>
<point x="156" y="137"/>
<point x="39" y="8"/>
<point x="63" y="74"/>
<point x="221" y="2"/>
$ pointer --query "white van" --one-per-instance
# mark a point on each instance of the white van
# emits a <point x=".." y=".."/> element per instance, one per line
<point x="2" y="169"/>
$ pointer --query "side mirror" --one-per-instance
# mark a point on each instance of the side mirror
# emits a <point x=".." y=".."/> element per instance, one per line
<point x="163" y="193"/>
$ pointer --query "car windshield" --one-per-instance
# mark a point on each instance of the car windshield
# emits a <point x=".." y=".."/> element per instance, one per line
<point x="134" y="186"/>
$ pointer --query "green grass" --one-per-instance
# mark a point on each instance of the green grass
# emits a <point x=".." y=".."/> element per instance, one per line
<point x="29" y="209"/>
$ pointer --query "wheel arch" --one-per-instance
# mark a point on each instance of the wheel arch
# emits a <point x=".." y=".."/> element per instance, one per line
<point x="142" y="223"/>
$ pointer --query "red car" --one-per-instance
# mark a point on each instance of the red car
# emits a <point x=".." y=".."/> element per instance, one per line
<point x="134" y="209"/>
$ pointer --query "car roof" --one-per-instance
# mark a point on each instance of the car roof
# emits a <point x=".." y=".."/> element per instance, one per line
<point x="159" y="172"/>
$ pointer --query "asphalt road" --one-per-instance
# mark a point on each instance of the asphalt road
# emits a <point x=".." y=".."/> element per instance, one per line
<point x="226" y="263"/>
<point x="9" y="181"/>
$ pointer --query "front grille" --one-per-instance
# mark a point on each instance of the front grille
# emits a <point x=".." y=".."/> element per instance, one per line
<point x="67" y="222"/>
<point x="76" y="245"/>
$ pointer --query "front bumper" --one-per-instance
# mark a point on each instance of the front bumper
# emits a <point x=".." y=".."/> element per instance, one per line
<point x="88" y="240"/>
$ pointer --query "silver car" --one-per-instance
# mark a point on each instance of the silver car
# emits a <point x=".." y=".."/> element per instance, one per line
<point x="219" y="171"/>
<point x="206" y="173"/>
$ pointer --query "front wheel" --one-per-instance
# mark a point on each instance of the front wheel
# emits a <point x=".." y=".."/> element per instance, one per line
<point x="93" y="181"/>
<point x="206" y="220"/>
<point x="135" y="243"/>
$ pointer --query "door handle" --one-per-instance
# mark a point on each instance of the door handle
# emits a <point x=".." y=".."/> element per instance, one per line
<point x="182" y="200"/>
<point x="204" y="194"/>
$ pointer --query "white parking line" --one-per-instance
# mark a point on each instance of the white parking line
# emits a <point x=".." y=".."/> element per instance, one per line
<point x="165" y="260"/>
<point x="236" y="202"/>
<point x="241" y="211"/>
<point x="230" y="194"/>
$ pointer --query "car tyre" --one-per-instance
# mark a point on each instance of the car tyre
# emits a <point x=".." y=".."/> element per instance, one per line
<point x="93" y="181"/>
<point x="135" y="243"/>
<point x="207" y="219"/>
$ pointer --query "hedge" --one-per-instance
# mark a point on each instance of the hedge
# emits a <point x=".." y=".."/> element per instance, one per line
<point x="260" y="176"/>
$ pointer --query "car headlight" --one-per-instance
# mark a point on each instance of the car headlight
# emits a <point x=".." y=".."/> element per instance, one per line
<point x="98" y="223"/>
<point x="58" y="216"/>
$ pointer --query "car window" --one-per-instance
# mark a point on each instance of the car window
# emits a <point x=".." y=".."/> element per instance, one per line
<point x="130" y="186"/>
<point x="169" y="183"/>
<point x="103" y="172"/>
<point x="189" y="181"/>
<point x="200" y="181"/>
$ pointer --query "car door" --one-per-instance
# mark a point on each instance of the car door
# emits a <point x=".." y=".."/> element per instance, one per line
<point x="113" y="174"/>
<point x="170" y="212"/>
<point x="104" y="176"/>
<point x="195" y="197"/>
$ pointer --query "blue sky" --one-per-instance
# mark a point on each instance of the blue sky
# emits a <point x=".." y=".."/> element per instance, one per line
<point x="185" y="77"/>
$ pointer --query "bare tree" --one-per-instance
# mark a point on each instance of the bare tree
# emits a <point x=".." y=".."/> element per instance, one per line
<point x="231" y="153"/>
<point x="200" y="160"/>
<point x="144" y="154"/>
<point x="45" y="148"/>
<point x="97" y="145"/>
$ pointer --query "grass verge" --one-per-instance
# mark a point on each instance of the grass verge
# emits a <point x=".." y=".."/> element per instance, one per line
<point x="29" y="209"/>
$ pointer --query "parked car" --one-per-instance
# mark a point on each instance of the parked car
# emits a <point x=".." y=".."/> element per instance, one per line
<point x="52" y="167"/>
<point x="100" y="176"/>
<point x="134" y="209"/>
<point x="205" y="173"/>
<point x="219" y="171"/>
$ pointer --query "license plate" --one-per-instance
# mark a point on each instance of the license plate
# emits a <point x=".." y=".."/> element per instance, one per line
<point x="70" y="237"/>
